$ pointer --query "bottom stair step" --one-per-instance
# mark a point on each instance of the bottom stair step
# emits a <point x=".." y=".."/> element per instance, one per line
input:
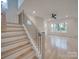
<point x="25" y="54"/>
<point x="14" y="50"/>
<point x="34" y="57"/>
<point x="17" y="53"/>
<point x="31" y="56"/>
<point x="28" y="56"/>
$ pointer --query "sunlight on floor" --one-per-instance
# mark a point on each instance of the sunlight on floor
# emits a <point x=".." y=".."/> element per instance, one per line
<point x="61" y="47"/>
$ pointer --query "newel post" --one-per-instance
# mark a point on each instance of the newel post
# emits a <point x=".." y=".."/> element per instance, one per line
<point x="43" y="44"/>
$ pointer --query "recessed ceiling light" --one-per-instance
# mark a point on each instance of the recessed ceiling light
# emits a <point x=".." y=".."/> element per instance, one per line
<point x="67" y="16"/>
<point x="49" y="20"/>
<point x="34" y="12"/>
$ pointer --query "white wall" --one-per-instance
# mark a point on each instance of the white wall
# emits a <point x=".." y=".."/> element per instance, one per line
<point x="38" y="22"/>
<point x="12" y="11"/>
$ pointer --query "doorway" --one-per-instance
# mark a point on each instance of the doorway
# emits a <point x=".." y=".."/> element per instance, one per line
<point x="21" y="17"/>
<point x="3" y="22"/>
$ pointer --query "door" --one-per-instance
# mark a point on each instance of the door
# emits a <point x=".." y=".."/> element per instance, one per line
<point x="20" y="16"/>
<point x="3" y="22"/>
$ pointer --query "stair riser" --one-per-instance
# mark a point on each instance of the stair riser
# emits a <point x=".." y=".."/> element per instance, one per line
<point x="14" y="26"/>
<point x="14" y="51"/>
<point x="13" y="38"/>
<point x="18" y="25"/>
<point x="27" y="53"/>
<point x="12" y="34"/>
<point x="12" y="46"/>
<point x="12" y="42"/>
<point x="14" y="29"/>
<point x="15" y="55"/>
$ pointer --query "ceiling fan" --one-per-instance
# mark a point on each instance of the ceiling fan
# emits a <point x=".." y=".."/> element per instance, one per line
<point x="54" y="16"/>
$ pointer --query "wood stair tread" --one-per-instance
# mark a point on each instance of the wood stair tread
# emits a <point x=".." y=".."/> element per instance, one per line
<point x="12" y="35"/>
<point x="12" y="42"/>
<point x="13" y="38"/>
<point x="13" y="56"/>
<point x="14" y="50"/>
<point x="12" y="29"/>
<point x="14" y="26"/>
<point x="26" y="53"/>
<point x="3" y="49"/>
<point x="34" y="57"/>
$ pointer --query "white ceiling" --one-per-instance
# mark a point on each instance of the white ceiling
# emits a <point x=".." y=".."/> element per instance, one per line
<point x="44" y="8"/>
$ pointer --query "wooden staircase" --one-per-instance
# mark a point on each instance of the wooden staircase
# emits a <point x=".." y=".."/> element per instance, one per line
<point x="15" y="43"/>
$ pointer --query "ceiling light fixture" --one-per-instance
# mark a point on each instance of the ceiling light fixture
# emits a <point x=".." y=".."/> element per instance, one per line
<point x="66" y="16"/>
<point x="54" y="16"/>
<point x="34" y="12"/>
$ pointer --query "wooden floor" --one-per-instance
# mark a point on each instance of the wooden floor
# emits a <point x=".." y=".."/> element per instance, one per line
<point x="57" y="47"/>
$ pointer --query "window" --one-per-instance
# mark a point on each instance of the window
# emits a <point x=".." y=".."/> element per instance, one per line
<point x="61" y="27"/>
<point x="4" y="4"/>
<point x="29" y="22"/>
<point x="20" y="2"/>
